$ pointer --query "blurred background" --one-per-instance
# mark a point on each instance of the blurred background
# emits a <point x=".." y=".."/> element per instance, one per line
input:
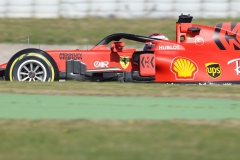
<point x="71" y="24"/>
<point x="118" y="8"/>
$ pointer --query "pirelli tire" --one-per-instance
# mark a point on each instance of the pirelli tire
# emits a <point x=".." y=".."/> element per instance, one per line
<point x="32" y="65"/>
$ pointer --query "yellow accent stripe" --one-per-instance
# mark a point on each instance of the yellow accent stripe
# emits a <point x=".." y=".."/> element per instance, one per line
<point x="46" y="60"/>
<point x="32" y="54"/>
<point x="11" y="68"/>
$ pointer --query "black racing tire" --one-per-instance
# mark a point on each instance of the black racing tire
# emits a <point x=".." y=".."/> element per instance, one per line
<point x="32" y="65"/>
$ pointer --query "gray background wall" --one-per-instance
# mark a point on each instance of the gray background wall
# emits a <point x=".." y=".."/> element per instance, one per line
<point x="119" y="8"/>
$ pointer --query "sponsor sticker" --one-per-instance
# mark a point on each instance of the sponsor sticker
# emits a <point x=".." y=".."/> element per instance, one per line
<point x="226" y="35"/>
<point x="237" y="68"/>
<point x="183" y="68"/>
<point x="174" y="47"/>
<point x="67" y="56"/>
<point x="148" y="62"/>
<point x="101" y="64"/>
<point x="213" y="69"/>
<point x="199" y="41"/>
<point x="124" y="61"/>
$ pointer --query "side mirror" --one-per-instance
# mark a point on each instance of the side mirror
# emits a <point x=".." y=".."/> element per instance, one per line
<point x="120" y="44"/>
<point x="117" y="46"/>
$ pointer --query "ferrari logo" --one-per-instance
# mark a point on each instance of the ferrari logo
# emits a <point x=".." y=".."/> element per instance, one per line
<point x="124" y="61"/>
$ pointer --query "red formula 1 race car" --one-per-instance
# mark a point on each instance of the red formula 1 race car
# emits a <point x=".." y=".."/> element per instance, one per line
<point x="199" y="54"/>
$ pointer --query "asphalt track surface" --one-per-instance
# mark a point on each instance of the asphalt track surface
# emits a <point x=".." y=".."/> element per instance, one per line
<point x="23" y="106"/>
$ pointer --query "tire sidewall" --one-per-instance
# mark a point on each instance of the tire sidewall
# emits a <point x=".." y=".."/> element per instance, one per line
<point x="48" y="73"/>
<point x="36" y="54"/>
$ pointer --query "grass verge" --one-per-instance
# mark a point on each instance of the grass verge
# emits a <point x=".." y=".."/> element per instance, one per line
<point x="122" y="89"/>
<point x="118" y="140"/>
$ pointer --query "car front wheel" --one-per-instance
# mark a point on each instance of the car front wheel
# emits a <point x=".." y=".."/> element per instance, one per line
<point x="31" y="65"/>
<point x="31" y="70"/>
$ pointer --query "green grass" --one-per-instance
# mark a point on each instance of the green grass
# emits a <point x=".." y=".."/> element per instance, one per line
<point x="86" y="31"/>
<point x="118" y="140"/>
<point x="122" y="89"/>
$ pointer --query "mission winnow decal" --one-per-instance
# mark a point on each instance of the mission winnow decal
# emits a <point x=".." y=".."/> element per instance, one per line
<point x="226" y="36"/>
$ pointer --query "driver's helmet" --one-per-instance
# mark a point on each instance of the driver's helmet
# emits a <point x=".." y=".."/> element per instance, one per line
<point x="158" y="36"/>
<point x="149" y="45"/>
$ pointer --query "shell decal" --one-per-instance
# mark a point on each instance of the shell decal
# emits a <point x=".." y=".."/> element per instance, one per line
<point x="184" y="68"/>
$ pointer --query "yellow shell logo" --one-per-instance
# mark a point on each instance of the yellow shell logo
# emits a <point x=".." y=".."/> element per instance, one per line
<point x="184" y="68"/>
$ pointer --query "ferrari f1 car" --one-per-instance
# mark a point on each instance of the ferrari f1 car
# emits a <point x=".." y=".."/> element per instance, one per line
<point x="199" y="54"/>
